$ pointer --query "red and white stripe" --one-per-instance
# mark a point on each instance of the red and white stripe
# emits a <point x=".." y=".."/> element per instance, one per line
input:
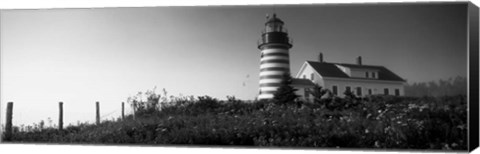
<point x="273" y="65"/>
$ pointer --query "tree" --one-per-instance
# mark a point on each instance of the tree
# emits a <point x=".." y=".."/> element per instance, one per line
<point x="285" y="93"/>
<point x="318" y="92"/>
<point x="349" y="94"/>
<point x="450" y="87"/>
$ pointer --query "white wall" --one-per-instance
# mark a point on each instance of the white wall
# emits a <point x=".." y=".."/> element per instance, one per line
<point x="376" y="86"/>
<point x="307" y="72"/>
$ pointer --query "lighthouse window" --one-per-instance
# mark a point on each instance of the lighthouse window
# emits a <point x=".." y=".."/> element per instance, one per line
<point x="269" y="29"/>
<point x="273" y="28"/>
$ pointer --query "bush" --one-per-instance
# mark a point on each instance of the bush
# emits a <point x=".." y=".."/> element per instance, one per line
<point x="285" y="94"/>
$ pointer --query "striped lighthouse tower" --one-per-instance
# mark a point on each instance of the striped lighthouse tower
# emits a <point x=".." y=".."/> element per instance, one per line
<point x="274" y="62"/>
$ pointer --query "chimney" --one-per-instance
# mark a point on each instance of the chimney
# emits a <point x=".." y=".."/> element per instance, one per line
<point x="359" y="60"/>
<point x="320" y="57"/>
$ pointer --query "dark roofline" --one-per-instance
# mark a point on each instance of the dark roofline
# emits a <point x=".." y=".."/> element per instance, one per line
<point x="348" y="64"/>
<point x="300" y="81"/>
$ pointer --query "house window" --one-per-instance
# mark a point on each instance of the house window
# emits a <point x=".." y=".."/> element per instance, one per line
<point x="311" y="76"/>
<point x="370" y="91"/>
<point x="385" y="91"/>
<point x="335" y="90"/>
<point x="304" y="76"/>
<point x="307" y="93"/>
<point x="397" y="92"/>
<point x="366" y="74"/>
<point x="374" y="75"/>
<point x="347" y="89"/>
<point x="359" y="91"/>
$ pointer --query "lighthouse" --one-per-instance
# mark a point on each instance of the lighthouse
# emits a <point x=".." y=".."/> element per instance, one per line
<point x="274" y="60"/>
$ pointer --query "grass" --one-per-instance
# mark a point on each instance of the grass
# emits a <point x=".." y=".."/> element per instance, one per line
<point x="371" y="122"/>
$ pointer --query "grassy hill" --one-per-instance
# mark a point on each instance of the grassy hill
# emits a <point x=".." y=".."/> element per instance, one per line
<point x="371" y="122"/>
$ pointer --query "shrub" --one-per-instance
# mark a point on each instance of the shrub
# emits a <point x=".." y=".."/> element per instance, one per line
<point x="285" y="94"/>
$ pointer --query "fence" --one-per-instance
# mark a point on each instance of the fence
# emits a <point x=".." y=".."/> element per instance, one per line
<point x="8" y="125"/>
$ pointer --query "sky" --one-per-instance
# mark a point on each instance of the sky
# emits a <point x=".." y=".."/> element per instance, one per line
<point x="80" y="56"/>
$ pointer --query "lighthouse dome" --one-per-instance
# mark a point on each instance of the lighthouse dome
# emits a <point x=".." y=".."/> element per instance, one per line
<point x="273" y="19"/>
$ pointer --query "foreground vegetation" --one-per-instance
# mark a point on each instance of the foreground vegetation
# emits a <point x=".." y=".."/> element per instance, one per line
<point x="371" y="122"/>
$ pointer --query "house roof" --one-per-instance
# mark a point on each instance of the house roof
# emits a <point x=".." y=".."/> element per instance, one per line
<point x="331" y="70"/>
<point x="302" y="82"/>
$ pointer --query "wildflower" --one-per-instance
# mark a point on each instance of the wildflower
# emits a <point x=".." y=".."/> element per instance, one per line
<point x="369" y="115"/>
<point x="387" y="129"/>
<point x="270" y="140"/>
<point x="446" y="147"/>
<point x="412" y="106"/>
<point x="377" y="144"/>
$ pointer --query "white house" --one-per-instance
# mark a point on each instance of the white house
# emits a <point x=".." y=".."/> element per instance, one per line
<point x="360" y="79"/>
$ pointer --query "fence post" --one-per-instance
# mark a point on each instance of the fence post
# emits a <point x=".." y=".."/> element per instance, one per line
<point x="123" y="110"/>
<point x="8" y="127"/>
<point x="98" y="112"/>
<point x="60" y="116"/>
<point x="134" y="113"/>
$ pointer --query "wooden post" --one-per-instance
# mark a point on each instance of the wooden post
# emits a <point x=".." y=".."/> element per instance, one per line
<point x="98" y="112"/>
<point x="60" y="116"/>
<point x="8" y="127"/>
<point x="134" y="112"/>
<point x="123" y="110"/>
